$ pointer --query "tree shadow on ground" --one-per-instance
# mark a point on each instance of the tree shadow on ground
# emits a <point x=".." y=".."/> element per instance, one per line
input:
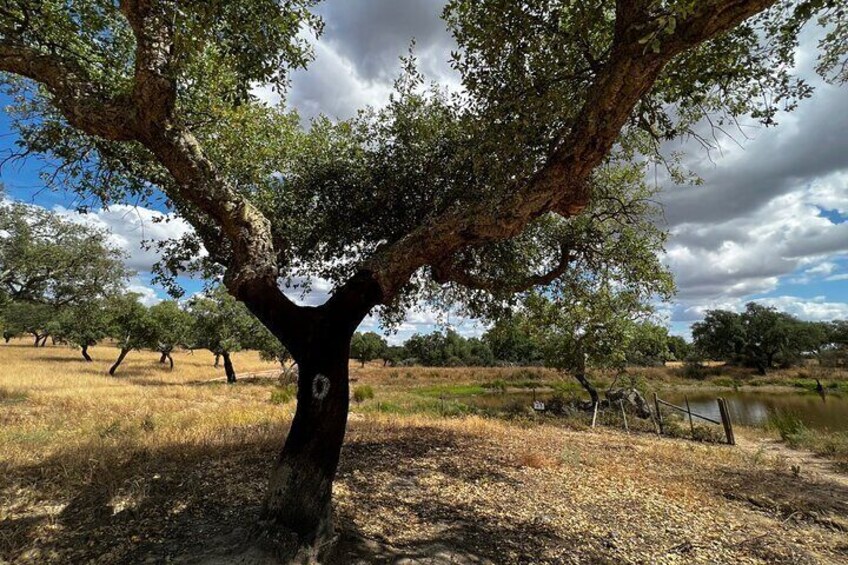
<point x="179" y="502"/>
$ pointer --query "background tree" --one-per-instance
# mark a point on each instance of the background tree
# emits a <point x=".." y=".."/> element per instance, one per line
<point x="26" y="317"/>
<point x="473" y="191"/>
<point x="130" y="326"/>
<point x="270" y="349"/>
<point x="760" y="337"/>
<point x="511" y="340"/>
<point x="222" y="325"/>
<point x="171" y="327"/>
<point x="367" y="346"/>
<point x="649" y="345"/>
<point x="719" y="336"/>
<point x="47" y="258"/>
<point x="84" y="325"/>
<point x="393" y="355"/>
<point x="679" y="348"/>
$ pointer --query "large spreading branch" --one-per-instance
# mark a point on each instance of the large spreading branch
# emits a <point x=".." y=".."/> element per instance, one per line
<point x="562" y="184"/>
<point x="147" y="116"/>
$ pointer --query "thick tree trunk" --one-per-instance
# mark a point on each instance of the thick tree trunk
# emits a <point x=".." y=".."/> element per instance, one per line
<point x="85" y="354"/>
<point x="37" y="339"/>
<point x="118" y="361"/>
<point x="580" y="375"/>
<point x="593" y="393"/>
<point x="217" y="360"/>
<point x="44" y="340"/>
<point x="7" y="337"/>
<point x="170" y="362"/>
<point x="163" y="357"/>
<point x="228" y="368"/>
<point x="300" y="487"/>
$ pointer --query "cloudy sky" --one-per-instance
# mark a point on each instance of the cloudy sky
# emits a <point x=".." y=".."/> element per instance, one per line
<point x="770" y="222"/>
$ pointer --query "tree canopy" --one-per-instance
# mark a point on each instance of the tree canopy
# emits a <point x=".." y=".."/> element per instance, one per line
<point x="47" y="258"/>
<point x="518" y="181"/>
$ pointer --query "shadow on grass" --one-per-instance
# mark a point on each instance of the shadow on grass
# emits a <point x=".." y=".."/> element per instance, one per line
<point x="178" y="502"/>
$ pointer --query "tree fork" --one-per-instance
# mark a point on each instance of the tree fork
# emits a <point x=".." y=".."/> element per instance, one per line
<point x="299" y="495"/>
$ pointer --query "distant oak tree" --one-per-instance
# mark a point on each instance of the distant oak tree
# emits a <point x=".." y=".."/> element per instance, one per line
<point x="464" y="199"/>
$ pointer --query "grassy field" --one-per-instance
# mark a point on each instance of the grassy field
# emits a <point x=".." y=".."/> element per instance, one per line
<point x="156" y="466"/>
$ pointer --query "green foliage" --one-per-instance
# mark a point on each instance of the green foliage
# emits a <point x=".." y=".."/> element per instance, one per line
<point x="47" y="258"/>
<point x="171" y="326"/>
<point x="649" y="345"/>
<point x="511" y="340"/>
<point x="679" y="349"/>
<point x="283" y="395"/>
<point x="786" y="424"/>
<point x="25" y="317"/>
<point x="367" y="346"/>
<point x="528" y="72"/>
<point x="363" y="393"/>
<point x="760" y="337"/>
<point x="221" y="324"/>
<point x="84" y="324"/>
<point x="448" y="349"/>
<point x="129" y="323"/>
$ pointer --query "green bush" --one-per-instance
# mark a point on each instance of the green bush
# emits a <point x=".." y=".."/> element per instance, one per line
<point x="698" y="372"/>
<point x="786" y="424"/>
<point x="496" y="385"/>
<point x="283" y="394"/>
<point x="363" y="393"/>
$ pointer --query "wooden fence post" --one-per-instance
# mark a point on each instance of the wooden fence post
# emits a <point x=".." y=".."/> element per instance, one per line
<point x="624" y="415"/>
<point x="689" y="411"/>
<point x="726" y="421"/>
<point x="595" y="415"/>
<point x="659" y="414"/>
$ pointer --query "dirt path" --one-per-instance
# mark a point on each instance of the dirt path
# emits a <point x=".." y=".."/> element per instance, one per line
<point x="807" y="463"/>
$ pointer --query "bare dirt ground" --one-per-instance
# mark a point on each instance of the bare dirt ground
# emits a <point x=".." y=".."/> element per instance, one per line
<point x="151" y="470"/>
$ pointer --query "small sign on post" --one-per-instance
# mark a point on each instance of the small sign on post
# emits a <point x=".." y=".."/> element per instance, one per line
<point x="538" y="406"/>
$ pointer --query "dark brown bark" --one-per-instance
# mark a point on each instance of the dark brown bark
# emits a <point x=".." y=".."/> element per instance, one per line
<point x="228" y="367"/>
<point x="118" y="361"/>
<point x="299" y="496"/>
<point x="44" y="340"/>
<point x="170" y="362"/>
<point x="85" y="354"/>
<point x="163" y="357"/>
<point x="217" y="360"/>
<point x="580" y="375"/>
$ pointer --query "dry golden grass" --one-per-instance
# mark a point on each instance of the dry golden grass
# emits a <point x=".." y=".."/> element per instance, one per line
<point x="156" y="464"/>
<point x="54" y="401"/>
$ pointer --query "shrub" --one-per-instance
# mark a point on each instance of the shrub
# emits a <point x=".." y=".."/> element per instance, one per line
<point x="363" y="393"/>
<point x="696" y="371"/>
<point x="11" y="396"/>
<point x="496" y="385"/>
<point x="786" y="424"/>
<point x="283" y="394"/>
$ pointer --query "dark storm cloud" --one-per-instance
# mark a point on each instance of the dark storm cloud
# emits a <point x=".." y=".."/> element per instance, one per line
<point x="813" y="143"/>
<point x="358" y="56"/>
<point x="372" y="34"/>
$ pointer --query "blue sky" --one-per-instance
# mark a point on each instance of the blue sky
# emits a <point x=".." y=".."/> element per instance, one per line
<point x="770" y="222"/>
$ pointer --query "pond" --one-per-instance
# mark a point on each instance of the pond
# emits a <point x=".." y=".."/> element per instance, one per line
<point x="746" y="408"/>
<point x="753" y="408"/>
